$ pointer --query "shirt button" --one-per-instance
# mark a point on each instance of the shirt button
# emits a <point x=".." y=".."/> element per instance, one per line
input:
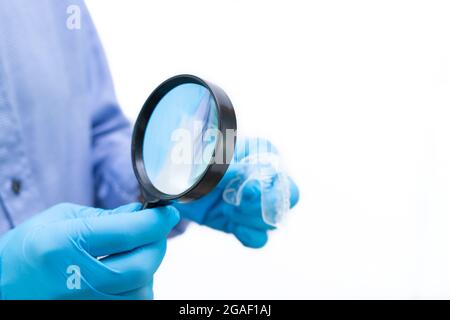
<point x="16" y="186"/>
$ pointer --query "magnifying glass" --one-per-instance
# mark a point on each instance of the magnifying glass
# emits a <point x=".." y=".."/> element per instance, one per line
<point x="183" y="140"/>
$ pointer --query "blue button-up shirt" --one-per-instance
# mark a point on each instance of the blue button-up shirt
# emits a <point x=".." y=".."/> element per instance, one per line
<point x="62" y="135"/>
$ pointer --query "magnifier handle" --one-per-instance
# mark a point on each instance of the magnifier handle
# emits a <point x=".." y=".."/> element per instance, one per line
<point x="154" y="204"/>
<point x="149" y="205"/>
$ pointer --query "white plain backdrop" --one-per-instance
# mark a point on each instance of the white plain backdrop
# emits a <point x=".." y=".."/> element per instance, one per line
<point x="356" y="94"/>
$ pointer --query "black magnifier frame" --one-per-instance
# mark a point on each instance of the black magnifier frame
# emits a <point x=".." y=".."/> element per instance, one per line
<point x="213" y="172"/>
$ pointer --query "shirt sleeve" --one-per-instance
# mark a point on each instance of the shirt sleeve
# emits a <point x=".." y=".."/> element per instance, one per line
<point x="115" y="183"/>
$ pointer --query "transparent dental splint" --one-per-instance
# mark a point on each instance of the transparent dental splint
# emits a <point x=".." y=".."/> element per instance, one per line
<point x="266" y="170"/>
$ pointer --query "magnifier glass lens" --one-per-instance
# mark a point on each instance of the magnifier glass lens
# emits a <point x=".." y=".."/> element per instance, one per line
<point x="180" y="138"/>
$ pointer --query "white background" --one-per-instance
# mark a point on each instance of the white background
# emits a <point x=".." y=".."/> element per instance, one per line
<point x="356" y="94"/>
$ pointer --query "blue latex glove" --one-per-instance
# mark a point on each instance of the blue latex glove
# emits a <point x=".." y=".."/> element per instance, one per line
<point x="40" y="258"/>
<point x="244" y="221"/>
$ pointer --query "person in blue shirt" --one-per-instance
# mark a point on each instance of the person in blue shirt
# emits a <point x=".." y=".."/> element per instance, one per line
<point x="70" y="224"/>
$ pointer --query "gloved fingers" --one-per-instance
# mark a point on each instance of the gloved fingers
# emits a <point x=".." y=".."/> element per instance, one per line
<point x="249" y="237"/>
<point x="116" y="233"/>
<point x="65" y="211"/>
<point x="249" y="211"/>
<point x="246" y="197"/>
<point x="255" y="221"/>
<point x="251" y="203"/>
<point x="96" y="212"/>
<point x="128" y="271"/>
<point x="130" y="207"/>
<point x="143" y="293"/>
<point x="59" y="212"/>
<point x="89" y="293"/>
<point x="251" y="194"/>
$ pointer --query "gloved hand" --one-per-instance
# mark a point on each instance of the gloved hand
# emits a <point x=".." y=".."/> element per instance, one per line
<point x="244" y="221"/>
<point x="57" y="254"/>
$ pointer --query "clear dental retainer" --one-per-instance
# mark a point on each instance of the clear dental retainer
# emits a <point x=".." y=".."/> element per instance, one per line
<point x="266" y="170"/>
